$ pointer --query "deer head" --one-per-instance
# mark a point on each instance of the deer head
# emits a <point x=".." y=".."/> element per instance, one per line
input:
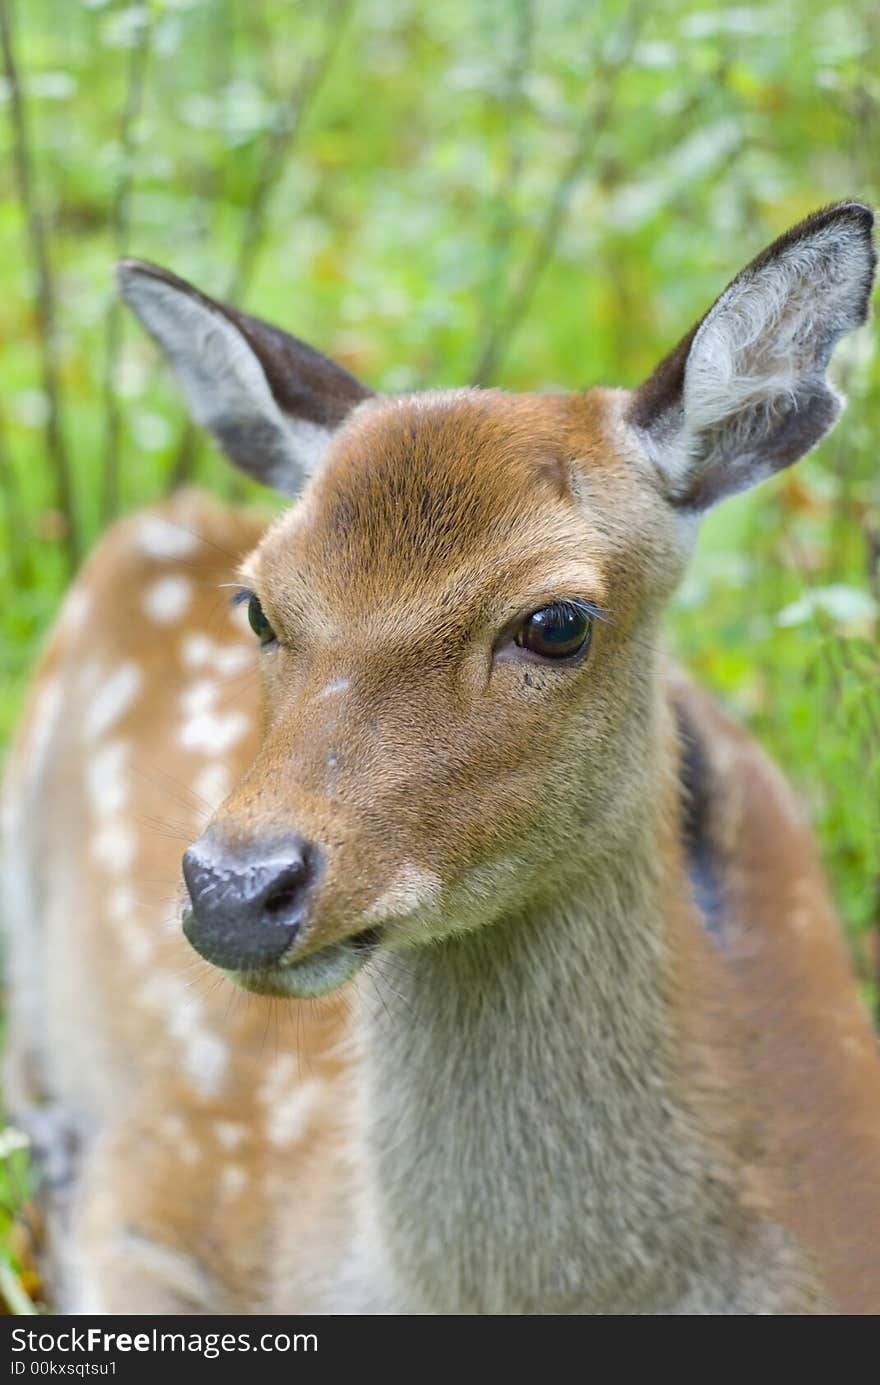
<point x="459" y="616"/>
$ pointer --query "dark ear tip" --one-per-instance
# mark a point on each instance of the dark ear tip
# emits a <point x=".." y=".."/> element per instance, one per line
<point x="850" y="223"/>
<point x="861" y="221"/>
<point x="129" y="266"/>
<point x="858" y="214"/>
<point x="860" y="211"/>
<point x="128" y="271"/>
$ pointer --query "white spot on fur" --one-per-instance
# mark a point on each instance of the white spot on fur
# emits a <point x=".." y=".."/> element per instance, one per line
<point x="205" y="1057"/>
<point x="288" y="1117"/>
<point x="230" y="1134"/>
<point x="121" y="905"/>
<point x="205" y="1060"/>
<point x="205" y="729"/>
<point x="166" y="600"/>
<point x="234" y="658"/>
<point x="198" y="651"/>
<point x="199" y="697"/>
<point x="105" y="778"/>
<point x="77" y="605"/>
<point x="410" y="889"/>
<point x="159" y="538"/>
<point x="279" y="1075"/>
<point x="233" y="1180"/>
<point x="174" y="1131"/>
<point x="123" y="914"/>
<point x="338" y="685"/>
<point x="114" y="847"/>
<point x="112" y="700"/>
<point x="289" y="1101"/>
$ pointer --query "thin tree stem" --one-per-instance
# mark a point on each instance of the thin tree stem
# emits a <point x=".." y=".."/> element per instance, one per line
<point x="497" y="341"/>
<point x="281" y="142"/>
<point x="56" y="448"/>
<point x="13" y="510"/>
<point x="288" y="126"/>
<point x="120" y="225"/>
<point x="503" y="220"/>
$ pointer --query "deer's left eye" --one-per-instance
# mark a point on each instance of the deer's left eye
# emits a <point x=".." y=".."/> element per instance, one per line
<point x="560" y="631"/>
<point x="258" y="622"/>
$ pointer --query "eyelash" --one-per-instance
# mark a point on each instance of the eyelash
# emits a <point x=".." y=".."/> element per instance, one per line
<point x="559" y="603"/>
<point x="575" y="603"/>
<point x="584" y="608"/>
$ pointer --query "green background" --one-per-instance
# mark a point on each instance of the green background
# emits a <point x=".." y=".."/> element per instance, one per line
<point x="528" y="193"/>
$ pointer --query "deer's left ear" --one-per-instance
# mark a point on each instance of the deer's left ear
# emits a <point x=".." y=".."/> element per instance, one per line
<point x="271" y="402"/>
<point x="745" y="393"/>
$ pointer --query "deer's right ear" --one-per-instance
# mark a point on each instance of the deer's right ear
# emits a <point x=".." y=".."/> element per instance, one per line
<point x="271" y="402"/>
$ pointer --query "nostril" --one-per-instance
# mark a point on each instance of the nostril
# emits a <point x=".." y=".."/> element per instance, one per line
<point x="285" y="892"/>
<point x="191" y="870"/>
<point x="249" y="901"/>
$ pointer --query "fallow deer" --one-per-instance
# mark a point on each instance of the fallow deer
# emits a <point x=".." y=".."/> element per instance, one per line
<point x="567" y="1024"/>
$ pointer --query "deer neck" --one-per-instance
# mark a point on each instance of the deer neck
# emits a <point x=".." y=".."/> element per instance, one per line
<point x="543" y="1132"/>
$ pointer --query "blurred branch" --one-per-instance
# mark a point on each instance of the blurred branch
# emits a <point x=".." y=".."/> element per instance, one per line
<point x="278" y="148"/>
<point x="503" y="215"/>
<point x="13" y="509"/>
<point x="120" y="224"/>
<point x="872" y="548"/>
<point x="288" y="125"/>
<point x="45" y="306"/>
<point x="596" y="120"/>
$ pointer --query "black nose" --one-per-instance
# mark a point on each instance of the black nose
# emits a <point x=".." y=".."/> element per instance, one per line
<point x="247" y="901"/>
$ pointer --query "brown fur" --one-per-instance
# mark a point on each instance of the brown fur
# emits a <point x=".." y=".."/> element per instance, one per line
<point x="811" y="1052"/>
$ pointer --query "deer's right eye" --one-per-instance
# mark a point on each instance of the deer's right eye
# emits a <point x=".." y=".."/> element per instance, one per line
<point x="258" y="622"/>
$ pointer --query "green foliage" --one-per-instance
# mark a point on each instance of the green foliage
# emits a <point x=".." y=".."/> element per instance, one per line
<point x="545" y="194"/>
<point x="17" y="1280"/>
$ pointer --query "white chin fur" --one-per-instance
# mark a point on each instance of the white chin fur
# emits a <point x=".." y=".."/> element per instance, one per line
<point x="314" y="976"/>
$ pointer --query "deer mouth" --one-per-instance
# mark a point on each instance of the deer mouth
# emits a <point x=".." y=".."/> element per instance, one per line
<point x="318" y="974"/>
